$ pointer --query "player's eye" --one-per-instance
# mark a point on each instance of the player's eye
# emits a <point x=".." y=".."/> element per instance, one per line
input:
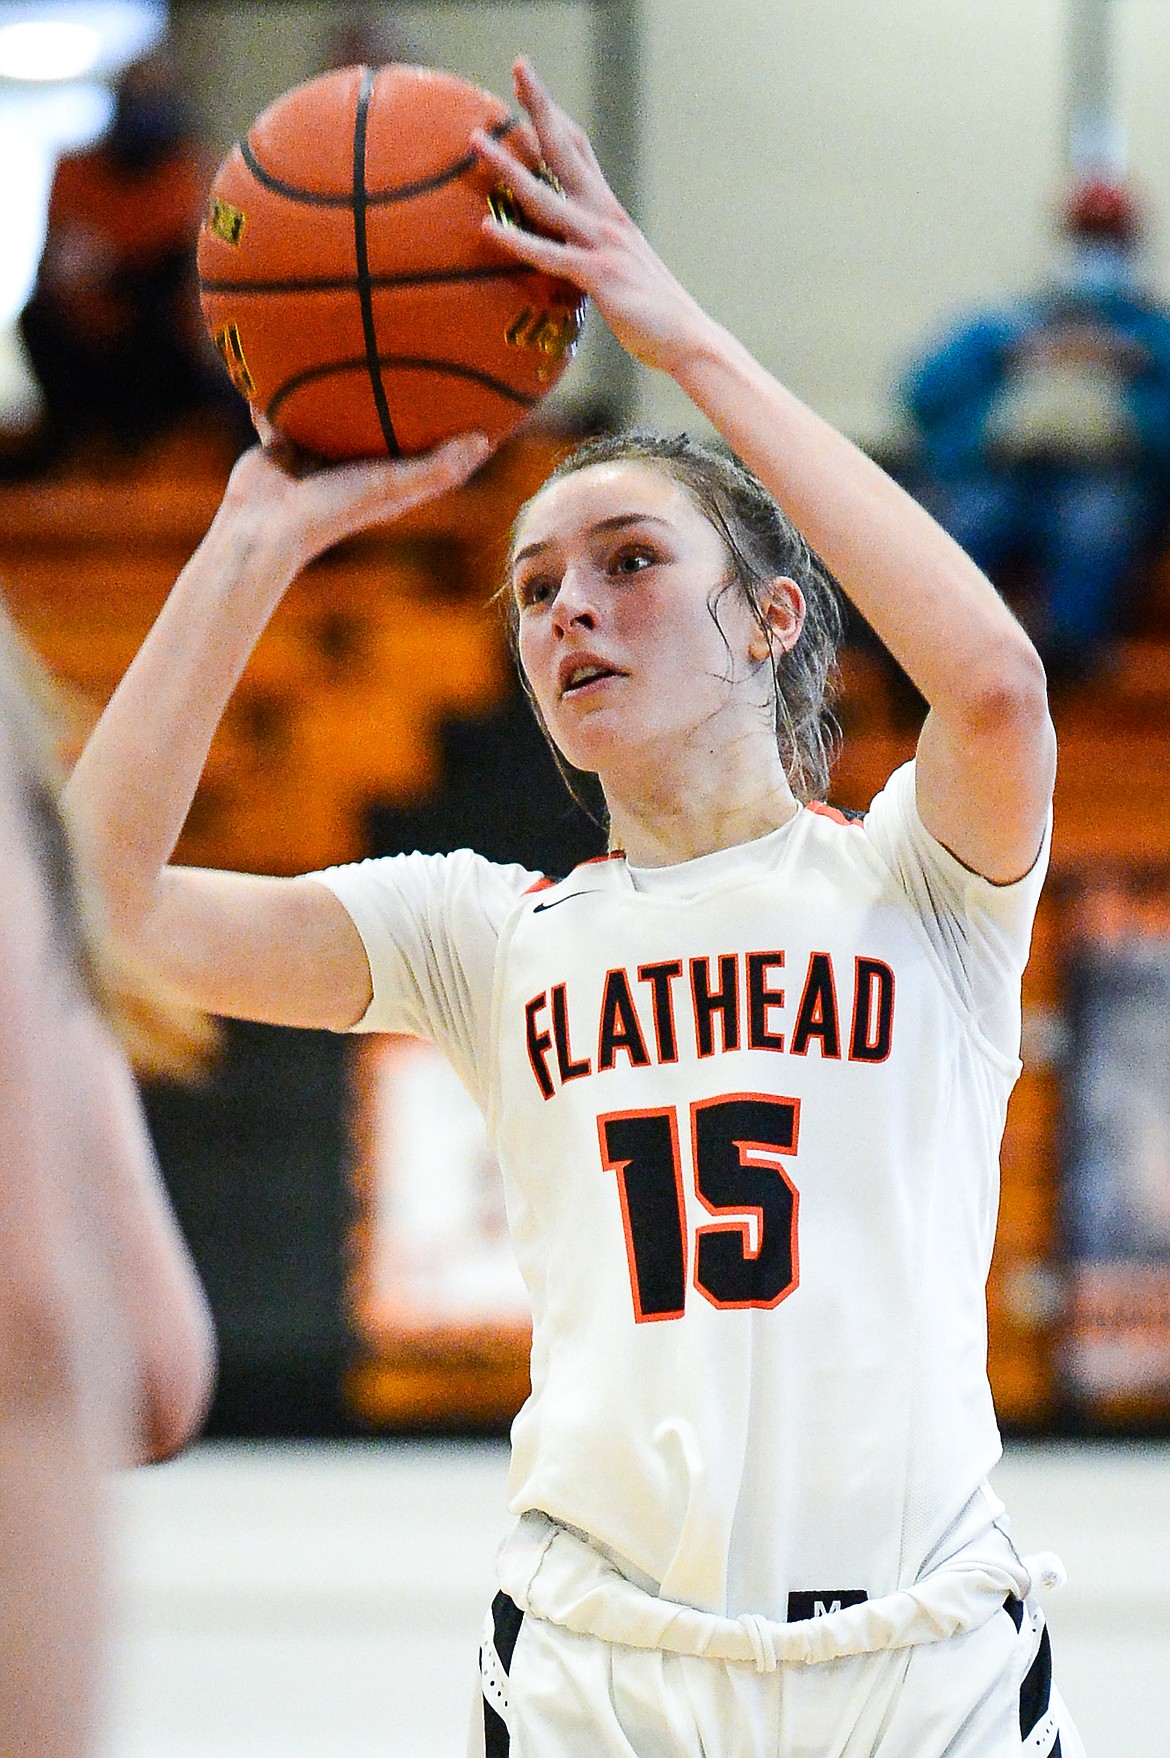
<point x="535" y="589"/>
<point x="632" y="558"/>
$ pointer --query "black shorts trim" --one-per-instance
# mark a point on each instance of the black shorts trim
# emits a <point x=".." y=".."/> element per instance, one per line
<point x="506" y="1621"/>
<point x="497" y="1741"/>
<point x="1036" y="1690"/>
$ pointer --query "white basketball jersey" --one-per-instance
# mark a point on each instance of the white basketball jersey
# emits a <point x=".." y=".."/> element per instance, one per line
<point x="748" y="1112"/>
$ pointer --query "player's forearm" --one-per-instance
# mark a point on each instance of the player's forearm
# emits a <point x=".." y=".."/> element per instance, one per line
<point x="134" y="782"/>
<point x="137" y="776"/>
<point x="932" y="607"/>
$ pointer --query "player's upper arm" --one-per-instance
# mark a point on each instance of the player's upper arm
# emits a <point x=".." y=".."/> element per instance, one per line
<point x="987" y="761"/>
<point x="283" y="951"/>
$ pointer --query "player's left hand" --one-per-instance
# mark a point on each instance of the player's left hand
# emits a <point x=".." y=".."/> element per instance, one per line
<point x="591" y="240"/>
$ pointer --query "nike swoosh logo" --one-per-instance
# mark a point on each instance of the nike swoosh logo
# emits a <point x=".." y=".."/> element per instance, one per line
<point x="554" y="902"/>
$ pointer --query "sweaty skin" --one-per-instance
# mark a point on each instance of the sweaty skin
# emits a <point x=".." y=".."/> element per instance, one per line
<point x="613" y="578"/>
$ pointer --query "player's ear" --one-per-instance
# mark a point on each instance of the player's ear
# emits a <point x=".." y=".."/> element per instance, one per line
<point x="781" y="609"/>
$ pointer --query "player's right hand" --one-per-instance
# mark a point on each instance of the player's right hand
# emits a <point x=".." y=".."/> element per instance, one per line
<point x="294" y="507"/>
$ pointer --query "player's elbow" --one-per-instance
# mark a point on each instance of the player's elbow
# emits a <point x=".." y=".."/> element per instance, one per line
<point x="176" y="1387"/>
<point x="1005" y="696"/>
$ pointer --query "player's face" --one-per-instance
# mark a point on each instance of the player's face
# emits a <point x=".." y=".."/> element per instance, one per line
<point x="615" y="571"/>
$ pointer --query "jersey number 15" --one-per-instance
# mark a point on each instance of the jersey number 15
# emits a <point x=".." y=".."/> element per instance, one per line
<point x="747" y="1259"/>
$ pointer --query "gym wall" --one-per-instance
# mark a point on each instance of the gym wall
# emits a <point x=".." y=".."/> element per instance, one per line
<point x="831" y="181"/>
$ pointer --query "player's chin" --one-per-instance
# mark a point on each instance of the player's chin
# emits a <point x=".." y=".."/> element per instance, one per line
<point x="588" y="741"/>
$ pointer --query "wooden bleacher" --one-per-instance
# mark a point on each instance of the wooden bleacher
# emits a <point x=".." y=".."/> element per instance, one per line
<point x="384" y="638"/>
<point x="342" y="702"/>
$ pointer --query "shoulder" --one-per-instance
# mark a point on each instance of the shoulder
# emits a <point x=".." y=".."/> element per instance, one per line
<point x="835" y="814"/>
<point x="894" y="830"/>
<point x="431" y="926"/>
<point x="880" y="841"/>
<point x="595" y="884"/>
<point x="545" y="890"/>
<point x="936" y="882"/>
<point x="182" y="179"/>
<point x="462" y="883"/>
<point x="981" y="334"/>
<point x="1150" y="321"/>
<point x="836" y="832"/>
<point x="74" y="193"/>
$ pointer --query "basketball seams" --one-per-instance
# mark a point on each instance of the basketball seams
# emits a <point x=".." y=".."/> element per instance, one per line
<point x="348" y="284"/>
<point x="361" y="255"/>
<point x="340" y="304"/>
<point x="378" y="198"/>
<point x="405" y="362"/>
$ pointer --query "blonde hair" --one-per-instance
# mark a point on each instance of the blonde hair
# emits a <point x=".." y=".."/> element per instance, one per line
<point x="163" y="1037"/>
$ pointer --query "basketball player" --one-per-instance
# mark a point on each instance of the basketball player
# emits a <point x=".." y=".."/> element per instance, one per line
<point x="105" y="1348"/>
<point x="746" y="1075"/>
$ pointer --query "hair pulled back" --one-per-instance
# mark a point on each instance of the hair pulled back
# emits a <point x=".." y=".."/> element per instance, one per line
<point x="762" y="545"/>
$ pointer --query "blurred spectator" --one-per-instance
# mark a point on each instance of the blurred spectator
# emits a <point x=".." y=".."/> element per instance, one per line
<point x="113" y="328"/>
<point x="365" y="42"/>
<point x="1045" y="428"/>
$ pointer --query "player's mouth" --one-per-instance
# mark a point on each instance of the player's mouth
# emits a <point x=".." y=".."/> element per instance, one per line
<point x="582" y="675"/>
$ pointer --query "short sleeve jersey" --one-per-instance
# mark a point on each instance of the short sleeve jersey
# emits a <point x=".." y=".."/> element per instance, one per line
<point x="748" y="1112"/>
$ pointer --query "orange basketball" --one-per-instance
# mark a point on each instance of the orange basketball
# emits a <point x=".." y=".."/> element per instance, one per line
<point x="347" y="283"/>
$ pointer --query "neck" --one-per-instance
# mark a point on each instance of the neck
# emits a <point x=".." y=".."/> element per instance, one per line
<point x="714" y="806"/>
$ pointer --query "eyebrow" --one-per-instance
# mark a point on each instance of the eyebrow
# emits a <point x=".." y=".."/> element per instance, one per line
<point x="616" y="522"/>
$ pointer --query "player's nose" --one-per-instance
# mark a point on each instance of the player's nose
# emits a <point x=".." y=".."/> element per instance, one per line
<point x="575" y="605"/>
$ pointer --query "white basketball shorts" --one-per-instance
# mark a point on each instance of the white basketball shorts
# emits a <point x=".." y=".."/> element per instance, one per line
<point x="547" y="1692"/>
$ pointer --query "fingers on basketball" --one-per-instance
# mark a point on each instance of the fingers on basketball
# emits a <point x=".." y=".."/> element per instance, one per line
<point x="541" y="202"/>
<point x="390" y="486"/>
<point x="564" y="142"/>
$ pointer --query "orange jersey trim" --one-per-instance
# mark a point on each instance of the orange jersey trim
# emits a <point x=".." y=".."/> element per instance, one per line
<point x="833" y="812"/>
<point x="615" y="854"/>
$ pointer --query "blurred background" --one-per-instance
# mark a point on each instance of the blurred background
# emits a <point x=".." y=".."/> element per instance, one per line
<point x="948" y="228"/>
